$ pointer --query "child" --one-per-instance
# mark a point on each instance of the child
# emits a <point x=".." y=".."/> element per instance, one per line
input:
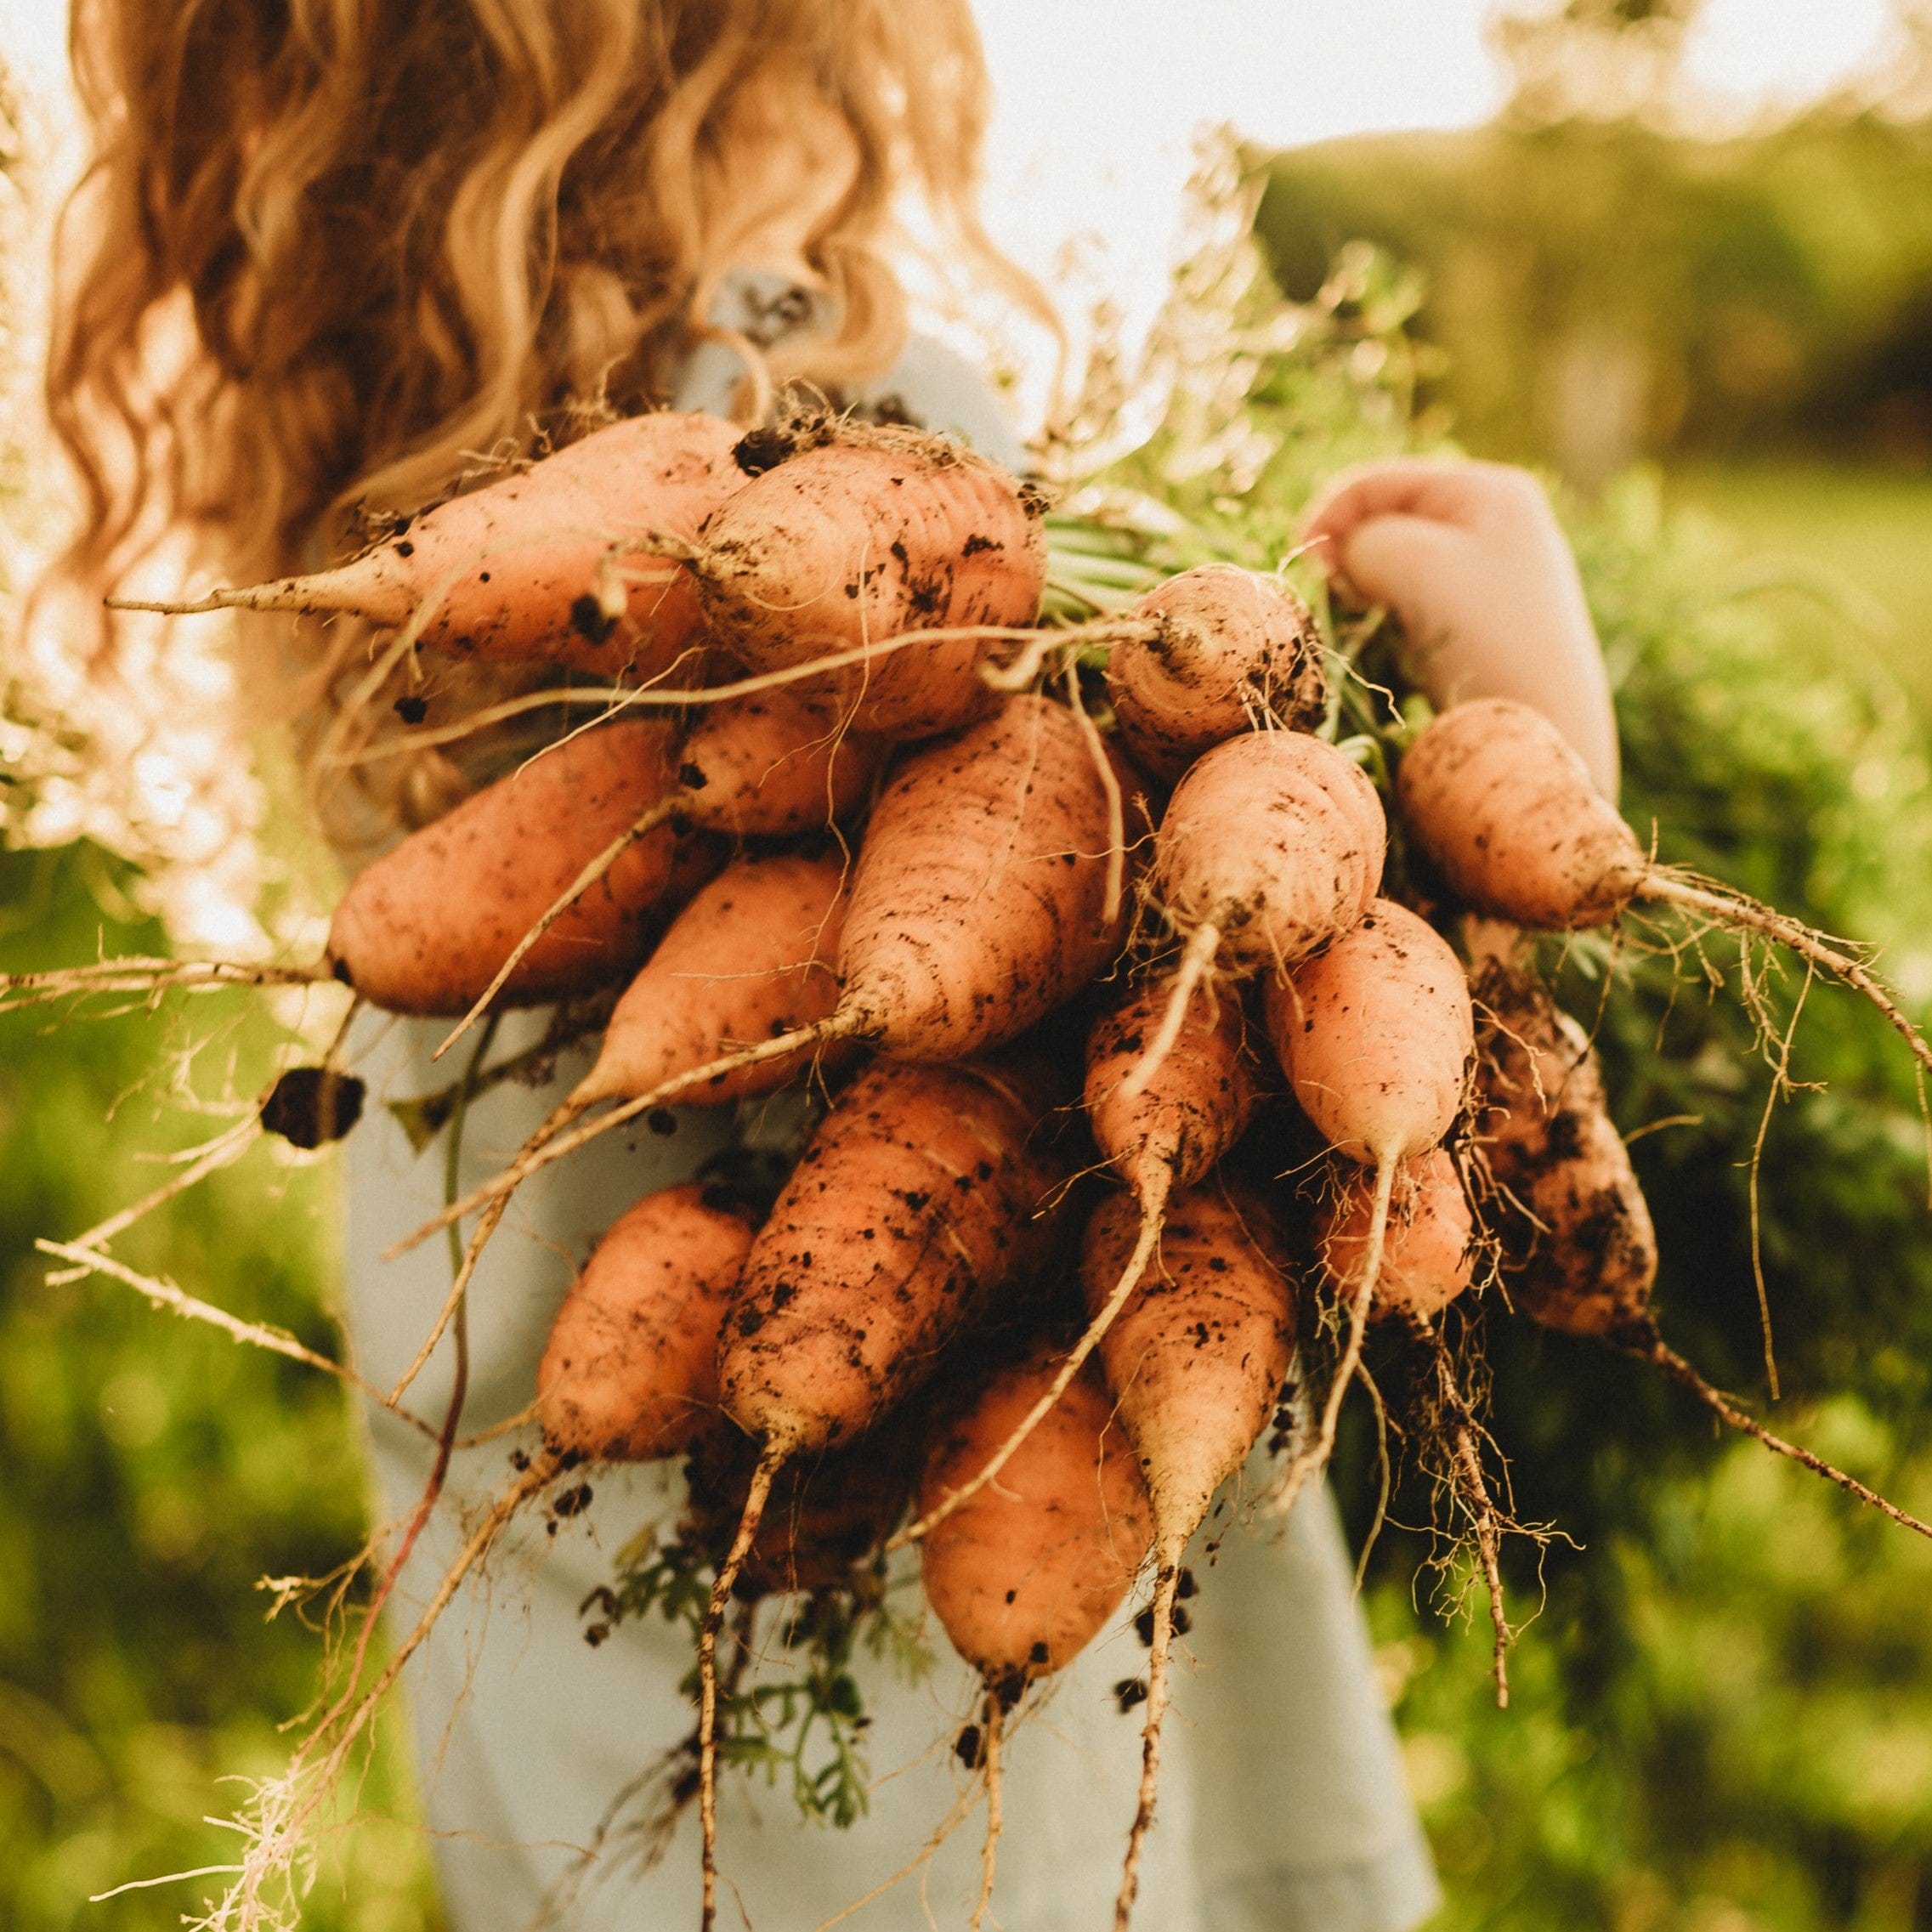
<point x="329" y="249"/>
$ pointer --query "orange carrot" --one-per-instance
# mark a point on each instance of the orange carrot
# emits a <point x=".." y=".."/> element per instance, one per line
<point x="1168" y="1137"/>
<point x="914" y="1207"/>
<point x="1377" y="1038"/>
<point x="1023" y="1577"/>
<point x="1429" y="1251"/>
<point x="629" y="1372"/>
<point x="1173" y="1132"/>
<point x="1271" y="844"/>
<point x="751" y="956"/>
<point x="859" y="540"/>
<point x="1507" y="813"/>
<point x="1195" y="1361"/>
<point x="426" y="927"/>
<point x="1584" y="1265"/>
<point x="1578" y="1251"/>
<point x="533" y="565"/>
<point x="1231" y="650"/>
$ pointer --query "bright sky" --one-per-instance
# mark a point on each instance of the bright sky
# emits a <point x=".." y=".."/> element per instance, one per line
<point x="1097" y="98"/>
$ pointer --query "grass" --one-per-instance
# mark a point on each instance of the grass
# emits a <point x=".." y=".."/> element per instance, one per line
<point x="1865" y="529"/>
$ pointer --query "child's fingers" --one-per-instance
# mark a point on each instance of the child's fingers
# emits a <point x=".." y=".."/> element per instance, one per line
<point x="1437" y="487"/>
<point x="1395" y="560"/>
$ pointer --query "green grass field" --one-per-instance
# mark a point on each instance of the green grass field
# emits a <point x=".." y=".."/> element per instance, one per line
<point x="1867" y="533"/>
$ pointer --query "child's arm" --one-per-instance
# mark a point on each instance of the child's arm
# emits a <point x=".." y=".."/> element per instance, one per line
<point x="1469" y="556"/>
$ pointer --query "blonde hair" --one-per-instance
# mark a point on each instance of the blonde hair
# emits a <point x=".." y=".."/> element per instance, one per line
<point x="403" y="230"/>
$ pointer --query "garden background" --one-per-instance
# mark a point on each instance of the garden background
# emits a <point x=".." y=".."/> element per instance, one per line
<point x="1722" y="349"/>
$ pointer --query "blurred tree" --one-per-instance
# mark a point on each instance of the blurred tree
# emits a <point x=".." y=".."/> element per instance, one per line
<point x="1599" y="59"/>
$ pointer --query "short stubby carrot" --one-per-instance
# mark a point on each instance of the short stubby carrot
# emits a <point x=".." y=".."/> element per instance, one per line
<point x="1229" y="650"/>
<point x="630" y="1371"/>
<point x="854" y="541"/>
<point x="1428" y="1252"/>
<point x="1025" y="1575"/>
<point x="428" y="926"/>
<point x="1271" y="846"/>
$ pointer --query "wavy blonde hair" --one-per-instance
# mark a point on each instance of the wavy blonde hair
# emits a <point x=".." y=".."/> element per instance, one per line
<point x="399" y="232"/>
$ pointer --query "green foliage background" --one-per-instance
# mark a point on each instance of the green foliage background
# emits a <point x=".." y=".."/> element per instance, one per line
<point x="1722" y="1714"/>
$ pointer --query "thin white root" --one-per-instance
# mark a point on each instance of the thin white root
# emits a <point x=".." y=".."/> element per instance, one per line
<point x="1202" y="947"/>
<point x="1116" y="806"/>
<point x="223" y="1153"/>
<point x="1313" y="1458"/>
<point x="285" y="1813"/>
<point x="542" y="1150"/>
<point x="277" y="1341"/>
<point x="1153" y="1214"/>
<point x="646" y="821"/>
<point x="995" y="1815"/>
<point x="1168" y="1582"/>
<point x="148" y="977"/>
<point x="769" y="1464"/>
<point x="1655" y="1350"/>
<point x="1736" y="911"/>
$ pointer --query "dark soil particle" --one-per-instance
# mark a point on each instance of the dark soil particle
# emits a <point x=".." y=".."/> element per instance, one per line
<point x="763" y="450"/>
<point x="975" y="543"/>
<point x="589" y="619"/>
<point x="311" y="1106"/>
<point x="412" y="709"/>
<point x="965" y="1748"/>
<point x="692" y="777"/>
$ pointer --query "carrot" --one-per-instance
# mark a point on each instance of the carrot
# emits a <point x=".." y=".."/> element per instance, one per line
<point x="1023" y="1577"/>
<point x="1377" y="1038"/>
<point x="426" y="927"/>
<point x="629" y="1372"/>
<point x="1229" y="651"/>
<point x="1195" y="1362"/>
<point x="752" y="956"/>
<point x="1429" y="1249"/>
<point x="977" y="900"/>
<point x="828" y="1513"/>
<point x="1507" y="813"/>
<point x="1271" y="844"/>
<point x="861" y="539"/>
<point x="1166" y="1138"/>
<point x="1428" y="1258"/>
<point x="1578" y="1252"/>
<point x="762" y="767"/>
<point x="911" y="1210"/>
<point x="1173" y="1132"/>
<point x="527" y="567"/>
<point x="975" y="909"/>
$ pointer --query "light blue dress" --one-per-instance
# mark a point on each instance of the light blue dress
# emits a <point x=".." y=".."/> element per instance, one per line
<point x="1282" y="1807"/>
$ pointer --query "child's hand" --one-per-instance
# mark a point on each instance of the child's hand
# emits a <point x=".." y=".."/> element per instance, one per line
<point x="1469" y="556"/>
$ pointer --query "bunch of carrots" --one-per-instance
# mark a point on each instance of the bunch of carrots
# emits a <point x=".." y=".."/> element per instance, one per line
<point x="1148" y="1080"/>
